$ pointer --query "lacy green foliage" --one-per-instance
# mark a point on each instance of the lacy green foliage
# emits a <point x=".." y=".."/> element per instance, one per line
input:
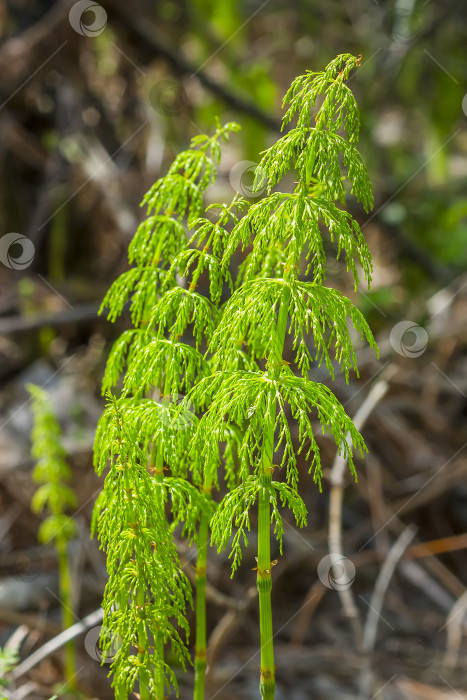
<point x="326" y="313"/>
<point x="315" y="152"/>
<point x="143" y="285"/>
<point x="150" y="424"/>
<point x="238" y="503"/>
<point x="245" y="398"/>
<point x="123" y="352"/>
<point x="318" y="162"/>
<point x="179" y="308"/>
<point x="157" y="238"/>
<point x="51" y="471"/>
<point x="164" y="363"/>
<point x="55" y="497"/>
<point x="213" y="235"/>
<point x="145" y="576"/>
<point x="251" y="314"/>
<point x="284" y="224"/>
<point x="338" y="98"/>
<point x="192" y="171"/>
<point x="161" y="236"/>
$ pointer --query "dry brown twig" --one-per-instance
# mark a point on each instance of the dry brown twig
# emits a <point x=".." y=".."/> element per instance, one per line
<point x="454" y="629"/>
<point x="336" y="498"/>
<point x="376" y="604"/>
<point x="225" y="628"/>
<point x="57" y="642"/>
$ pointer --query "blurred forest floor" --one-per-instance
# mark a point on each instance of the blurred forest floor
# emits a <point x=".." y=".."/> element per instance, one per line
<point x="93" y="107"/>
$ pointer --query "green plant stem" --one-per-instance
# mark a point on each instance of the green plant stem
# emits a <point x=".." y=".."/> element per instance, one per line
<point x="159" y="647"/>
<point x="159" y="640"/>
<point x="201" y="563"/>
<point x="144" y="691"/>
<point x="121" y="692"/>
<point x="264" y="578"/>
<point x="67" y="610"/>
<point x="264" y="585"/>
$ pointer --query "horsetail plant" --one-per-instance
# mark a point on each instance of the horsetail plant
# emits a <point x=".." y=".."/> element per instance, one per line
<point x="54" y="496"/>
<point x="235" y="414"/>
<point x="157" y="363"/>
<point x="281" y="287"/>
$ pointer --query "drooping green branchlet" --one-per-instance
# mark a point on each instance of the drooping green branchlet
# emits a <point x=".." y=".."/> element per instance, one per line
<point x="315" y="150"/>
<point x="251" y="314"/>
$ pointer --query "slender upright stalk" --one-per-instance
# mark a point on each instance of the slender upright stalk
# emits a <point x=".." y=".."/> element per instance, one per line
<point x="159" y="640"/>
<point x="144" y="691"/>
<point x="264" y="578"/>
<point x="201" y="563"/>
<point x="264" y="584"/>
<point x="67" y="610"/>
<point x="121" y="693"/>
